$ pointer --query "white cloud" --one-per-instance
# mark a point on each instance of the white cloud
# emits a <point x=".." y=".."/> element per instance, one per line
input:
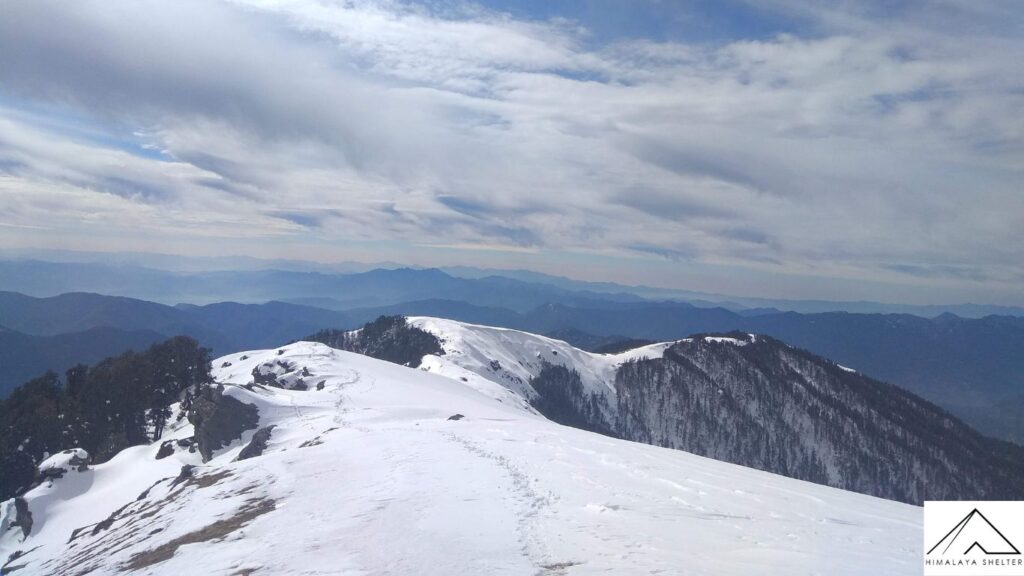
<point x="888" y="150"/>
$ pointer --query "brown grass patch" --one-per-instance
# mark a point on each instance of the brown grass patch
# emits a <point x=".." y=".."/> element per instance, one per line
<point x="219" y="529"/>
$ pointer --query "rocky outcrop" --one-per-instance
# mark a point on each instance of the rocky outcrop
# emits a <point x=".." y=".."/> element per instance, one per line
<point x="15" y="515"/>
<point x="59" y="464"/>
<point x="219" y="420"/>
<point x="281" y="374"/>
<point x="166" y="449"/>
<point x="169" y="447"/>
<point x="257" y="444"/>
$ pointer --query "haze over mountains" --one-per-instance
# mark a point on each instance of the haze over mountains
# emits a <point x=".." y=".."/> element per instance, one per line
<point x="348" y="285"/>
<point x="971" y="366"/>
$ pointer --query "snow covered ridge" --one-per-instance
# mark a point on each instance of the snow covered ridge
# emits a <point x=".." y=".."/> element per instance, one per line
<point x="484" y="355"/>
<point x="751" y="338"/>
<point x="370" y="474"/>
<point x="741" y="398"/>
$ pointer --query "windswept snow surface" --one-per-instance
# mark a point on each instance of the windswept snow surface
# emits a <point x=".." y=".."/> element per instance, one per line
<point x="368" y="476"/>
<point x="500" y="361"/>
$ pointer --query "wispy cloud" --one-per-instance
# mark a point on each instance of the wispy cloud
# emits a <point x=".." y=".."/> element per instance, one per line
<point x="867" y="135"/>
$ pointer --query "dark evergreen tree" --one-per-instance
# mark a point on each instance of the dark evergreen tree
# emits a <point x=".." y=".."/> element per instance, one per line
<point x="75" y="379"/>
<point x="174" y="366"/>
<point x="561" y="398"/>
<point x="120" y="402"/>
<point x="388" y="338"/>
<point x="38" y="419"/>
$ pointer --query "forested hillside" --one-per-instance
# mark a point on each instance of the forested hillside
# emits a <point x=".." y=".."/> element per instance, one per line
<point x="119" y="402"/>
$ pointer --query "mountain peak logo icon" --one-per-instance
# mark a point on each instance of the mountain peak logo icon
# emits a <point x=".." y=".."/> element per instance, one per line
<point x="974" y="531"/>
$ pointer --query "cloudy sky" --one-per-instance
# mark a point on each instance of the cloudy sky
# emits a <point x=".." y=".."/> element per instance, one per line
<point x="778" y="149"/>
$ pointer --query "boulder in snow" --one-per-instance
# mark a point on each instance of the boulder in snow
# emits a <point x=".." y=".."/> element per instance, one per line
<point x="219" y="420"/>
<point x="63" y="462"/>
<point x="257" y="444"/>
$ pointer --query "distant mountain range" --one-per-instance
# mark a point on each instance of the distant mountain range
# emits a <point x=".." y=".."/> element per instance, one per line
<point x="746" y="304"/>
<point x="973" y="367"/>
<point x="56" y="333"/>
<point x="380" y="287"/>
<point x="171" y="280"/>
<point x="23" y="356"/>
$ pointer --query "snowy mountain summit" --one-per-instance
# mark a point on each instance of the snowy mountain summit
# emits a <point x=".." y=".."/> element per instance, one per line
<point x="337" y="463"/>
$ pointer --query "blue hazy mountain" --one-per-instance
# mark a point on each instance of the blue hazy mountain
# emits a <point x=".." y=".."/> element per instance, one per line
<point x="55" y="333"/>
<point x="972" y="366"/>
<point x="23" y="356"/>
<point x="380" y="287"/>
<point x="170" y="280"/>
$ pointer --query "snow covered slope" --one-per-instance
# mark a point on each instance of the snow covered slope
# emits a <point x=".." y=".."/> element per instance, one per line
<point x="370" y="475"/>
<point x="512" y="357"/>
<point x="485" y="355"/>
<point x="741" y="398"/>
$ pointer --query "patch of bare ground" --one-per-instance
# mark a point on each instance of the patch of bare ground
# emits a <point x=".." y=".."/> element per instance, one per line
<point x="89" y="546"/>
<point x="558" y="567"/>
<point x="253" y="509"/>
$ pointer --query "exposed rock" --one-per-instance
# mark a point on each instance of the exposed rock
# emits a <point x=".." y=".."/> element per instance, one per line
<point x="280" y="374"/>
<point x="219" y="419"/>
<point x="51" y="474"/>
<point x="186" y="472"/>
<point x="166" y="449"/>
<point x="61" y="463"/>
<point x="187" y="477"/>
<point x="14" y="513"/>
<point x="261" y="375"/>
<point x="456" y="417"/>
<point x="23" y="517"/>
<point x="9" y="567"/>
<point x="257" y="444"/>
